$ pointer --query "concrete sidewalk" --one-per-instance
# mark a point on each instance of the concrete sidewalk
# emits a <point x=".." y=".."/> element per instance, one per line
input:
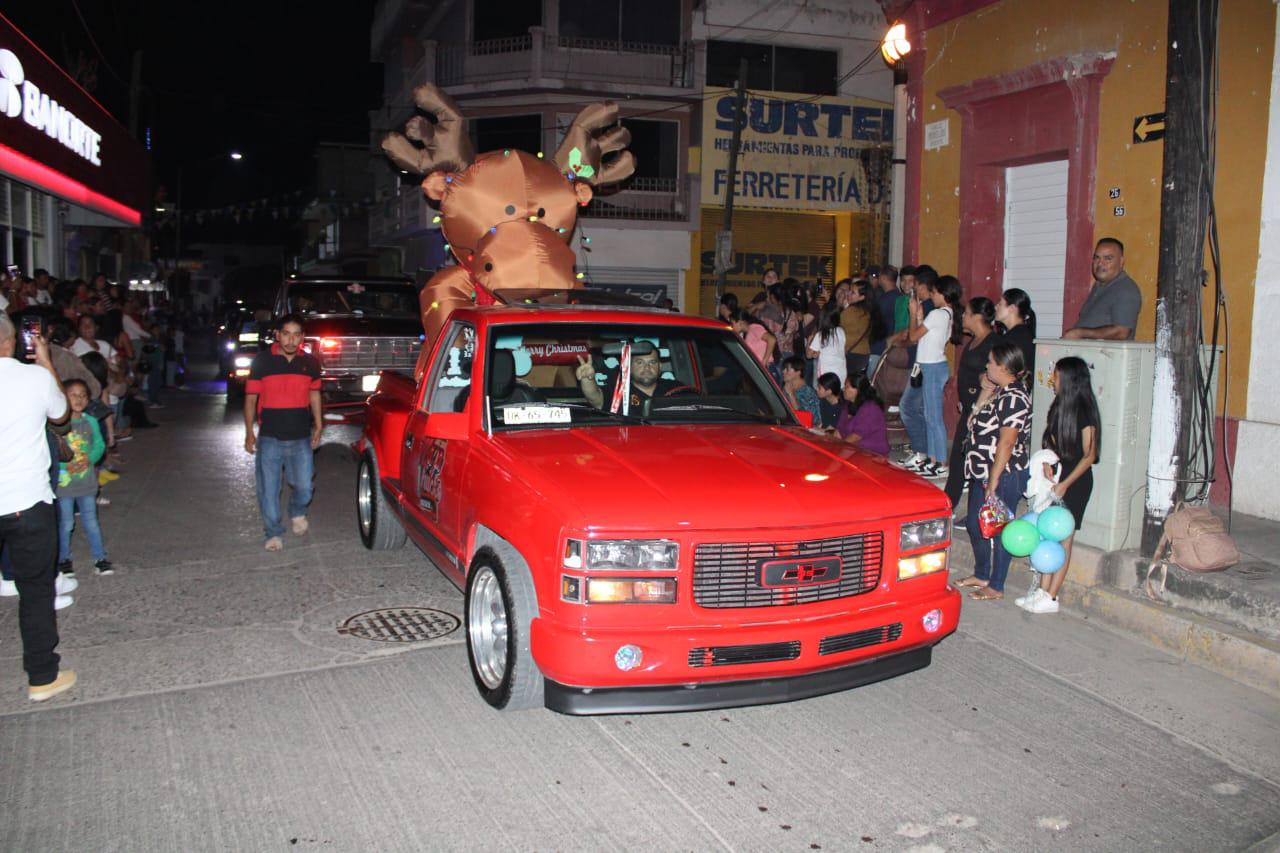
<point x="1226" y="621"/>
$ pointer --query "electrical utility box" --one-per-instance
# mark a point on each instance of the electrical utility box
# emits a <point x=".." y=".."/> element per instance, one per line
<point x="1123" y="378"/>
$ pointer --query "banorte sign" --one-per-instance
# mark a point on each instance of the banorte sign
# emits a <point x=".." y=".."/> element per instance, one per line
<point x="20" y="97"/>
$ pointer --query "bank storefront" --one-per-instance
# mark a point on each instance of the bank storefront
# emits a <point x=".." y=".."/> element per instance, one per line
<point x="73" y="183"/>
<point x="811" y="192"/>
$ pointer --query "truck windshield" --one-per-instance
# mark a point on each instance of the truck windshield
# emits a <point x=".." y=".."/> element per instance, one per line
<point x="357" y="299"/>
<point x="576" y="374"/>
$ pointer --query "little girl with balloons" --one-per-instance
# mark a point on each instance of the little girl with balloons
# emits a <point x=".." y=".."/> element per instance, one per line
<point x="1073" y="431"/>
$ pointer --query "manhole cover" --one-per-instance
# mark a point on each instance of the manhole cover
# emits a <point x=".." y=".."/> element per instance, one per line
<point x="400" y="624"/>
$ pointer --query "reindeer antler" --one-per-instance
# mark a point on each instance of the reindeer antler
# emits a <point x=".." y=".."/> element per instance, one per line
<point x="445" y="144"/>
<point x="581" y="154"/>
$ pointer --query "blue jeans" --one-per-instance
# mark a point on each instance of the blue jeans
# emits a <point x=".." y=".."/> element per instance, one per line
<point x="88" y="507"/>
<point x="297" y="459"/>
<point x="921" y="410"/>
<point x="990" y="559"/>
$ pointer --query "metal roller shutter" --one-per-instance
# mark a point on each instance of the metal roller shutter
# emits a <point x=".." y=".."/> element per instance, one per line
<point x="797" y="245"/>
<point x="1035" y="239"/>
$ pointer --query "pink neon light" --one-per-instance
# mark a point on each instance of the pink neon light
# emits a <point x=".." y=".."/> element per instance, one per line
<point x="30" y="171"/>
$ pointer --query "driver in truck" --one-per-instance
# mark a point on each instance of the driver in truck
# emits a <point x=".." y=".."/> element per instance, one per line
<point x="647" y="380"/>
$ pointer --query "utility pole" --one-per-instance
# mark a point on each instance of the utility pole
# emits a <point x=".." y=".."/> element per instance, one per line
<point x="724" y="240"/>
<point x="1184" y="206"/>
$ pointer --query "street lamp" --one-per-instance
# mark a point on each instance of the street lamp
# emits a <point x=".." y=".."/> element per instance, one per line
<point x="236" y="155"/>
<point x="895" y="45"/>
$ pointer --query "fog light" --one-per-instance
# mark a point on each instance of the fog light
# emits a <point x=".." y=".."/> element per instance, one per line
<point x="627" y="657"/>
<point x="932" y="621"/>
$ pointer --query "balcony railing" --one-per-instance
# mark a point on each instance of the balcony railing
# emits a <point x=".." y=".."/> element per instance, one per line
<point x="643" y="199"/>
<point x="539" y="55"/>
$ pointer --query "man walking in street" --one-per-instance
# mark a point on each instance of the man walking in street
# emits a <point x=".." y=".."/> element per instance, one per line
<point x="284" y="389"/>
<point x="1110" y="312"/>
<point x="28" y="522"/>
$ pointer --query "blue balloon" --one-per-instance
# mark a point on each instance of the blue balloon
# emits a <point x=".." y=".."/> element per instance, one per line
<point x="1030" y="517"/>
<point x="1048" y="557"/>
<point x="1056" y="523"/>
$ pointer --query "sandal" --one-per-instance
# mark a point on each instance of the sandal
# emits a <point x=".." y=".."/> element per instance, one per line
<point x="986" y="594"/>
<point x="972" y="581"/>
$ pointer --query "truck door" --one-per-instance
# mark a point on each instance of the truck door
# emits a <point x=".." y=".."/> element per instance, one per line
<point x="431" y="469"/>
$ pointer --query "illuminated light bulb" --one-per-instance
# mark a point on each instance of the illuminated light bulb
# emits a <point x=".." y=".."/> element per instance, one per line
<point x="586" y="239"/>
<point x="580" y="276"/>
<point x="435" y="220"/>
<point x="448" y="179"/>
<point x="560" y="230"/>
<point x="447" y="247"/>
<point x="533" y="219"/>
<point x="506" y="152"/>
<point x="435" y="305"/>
<point x="539" y="155"/>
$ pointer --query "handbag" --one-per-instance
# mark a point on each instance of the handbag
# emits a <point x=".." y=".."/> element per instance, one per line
<point x="1195" y="539"/>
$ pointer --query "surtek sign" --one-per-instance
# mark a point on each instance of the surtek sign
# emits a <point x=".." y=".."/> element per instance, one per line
<point x="22" y="97"/>
<point x="798" y="153"/>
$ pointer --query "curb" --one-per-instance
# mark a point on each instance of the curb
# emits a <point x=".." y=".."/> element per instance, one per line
<point x="1251" y="660"/>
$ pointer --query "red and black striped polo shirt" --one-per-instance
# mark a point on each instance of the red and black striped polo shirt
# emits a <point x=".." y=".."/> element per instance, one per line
<point x="284" y="392"/>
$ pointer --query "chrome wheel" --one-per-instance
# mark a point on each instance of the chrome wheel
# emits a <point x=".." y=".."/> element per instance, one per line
<point x="364" y="500"/>
<point x="487" y="627"/>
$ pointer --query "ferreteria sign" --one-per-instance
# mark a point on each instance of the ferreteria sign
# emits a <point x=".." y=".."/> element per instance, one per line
<point x="798" y="153"/>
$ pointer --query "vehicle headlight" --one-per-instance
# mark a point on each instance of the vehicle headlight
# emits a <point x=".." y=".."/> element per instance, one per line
<point x="915" y="535"/>
<point x="626" y="554"/>
<point x="922" y="564"/>
<point x="243" y="361"/>
<point x="230" y="345"/>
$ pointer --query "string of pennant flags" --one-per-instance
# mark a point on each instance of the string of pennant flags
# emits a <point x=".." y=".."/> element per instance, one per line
<point x="282" y="207"/>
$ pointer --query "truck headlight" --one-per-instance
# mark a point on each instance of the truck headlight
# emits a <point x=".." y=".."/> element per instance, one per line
<point x="243" y="361"/>
<point x="631" y="591"/>
<point x="659" y="555"/>
<point x="915" y="535"/>
<point x="922" y="564"/>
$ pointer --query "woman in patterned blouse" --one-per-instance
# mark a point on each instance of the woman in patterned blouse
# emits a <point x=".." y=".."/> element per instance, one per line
<point x="996" y="462"/>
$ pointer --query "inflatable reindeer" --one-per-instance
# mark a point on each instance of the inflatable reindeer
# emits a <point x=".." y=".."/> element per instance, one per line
<point x="507" y="216"/>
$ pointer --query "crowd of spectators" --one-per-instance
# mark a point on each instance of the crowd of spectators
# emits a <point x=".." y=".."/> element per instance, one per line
<point x="831" y="354"/>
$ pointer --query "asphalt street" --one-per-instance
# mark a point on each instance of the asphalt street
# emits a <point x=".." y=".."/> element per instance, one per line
<point x="219" y="708"/>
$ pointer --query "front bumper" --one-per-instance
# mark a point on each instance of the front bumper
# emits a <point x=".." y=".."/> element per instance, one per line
<point x="802" y="653"/>
<point x="730" y="694"/>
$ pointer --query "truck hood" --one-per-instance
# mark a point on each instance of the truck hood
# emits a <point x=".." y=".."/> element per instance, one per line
<point x="711" y="477"/>
<point x="363" y="327"/>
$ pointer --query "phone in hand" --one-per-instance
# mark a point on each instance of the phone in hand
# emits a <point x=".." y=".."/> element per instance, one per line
<point x="31" y="327"/>
<point x="13" y="270"/>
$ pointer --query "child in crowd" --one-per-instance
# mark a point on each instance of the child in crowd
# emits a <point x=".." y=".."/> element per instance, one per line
<point x="78" y="481"/>
<point x="1073" y="430"/>
<point x="800" y="395"/>
<point x="830" y="401"/>
<point x="757" y="338"/>
<point x="862" y="422"/>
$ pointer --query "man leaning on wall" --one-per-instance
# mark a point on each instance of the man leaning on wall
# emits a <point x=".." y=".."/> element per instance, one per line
<point x="1110" y="312"/>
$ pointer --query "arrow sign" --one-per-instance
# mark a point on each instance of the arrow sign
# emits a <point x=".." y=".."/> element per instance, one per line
<point x="1148" y="128"/>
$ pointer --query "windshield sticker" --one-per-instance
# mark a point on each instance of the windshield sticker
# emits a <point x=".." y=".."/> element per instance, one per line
<point x="509" y="342"/>
<point x="536" y="414"/>
<point x="355" y="288"/>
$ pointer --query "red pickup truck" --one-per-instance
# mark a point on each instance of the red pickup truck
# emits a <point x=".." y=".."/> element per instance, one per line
<point x="638" y="520"/>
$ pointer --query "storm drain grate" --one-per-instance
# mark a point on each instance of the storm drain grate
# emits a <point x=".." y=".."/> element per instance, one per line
<point x="400" y="625"/>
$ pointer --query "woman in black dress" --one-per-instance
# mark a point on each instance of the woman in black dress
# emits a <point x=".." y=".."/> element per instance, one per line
<point x="1073" y="431"/>
<point x="978" y="322"/>
<point x="1018" y="324"/>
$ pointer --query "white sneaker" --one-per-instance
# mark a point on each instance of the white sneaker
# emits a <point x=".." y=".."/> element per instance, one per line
<point x="62" y="602"/>
<point x="914" y="462"/>
<point x="1023" y="600"/>
<point x="64" y="585"/>
<point x="1044" y="603"/>
<point x="8" y="589"/>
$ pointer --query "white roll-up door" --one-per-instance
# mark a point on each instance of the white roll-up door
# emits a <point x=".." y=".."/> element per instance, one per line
<point x="1035" y="239"/>
<point x="648" y="284"/>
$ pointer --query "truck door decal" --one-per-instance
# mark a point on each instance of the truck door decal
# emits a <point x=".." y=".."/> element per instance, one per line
<point x="429" y="476"/>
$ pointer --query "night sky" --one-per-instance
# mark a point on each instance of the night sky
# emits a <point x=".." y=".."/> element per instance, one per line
<point x="268" y="78"/>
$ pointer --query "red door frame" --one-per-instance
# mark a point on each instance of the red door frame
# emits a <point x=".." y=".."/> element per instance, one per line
<point x="1045" y="112"/>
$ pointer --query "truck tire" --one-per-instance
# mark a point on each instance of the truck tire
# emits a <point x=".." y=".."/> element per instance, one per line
<point x="380" y="530"/>
<point x="499" y="609"/>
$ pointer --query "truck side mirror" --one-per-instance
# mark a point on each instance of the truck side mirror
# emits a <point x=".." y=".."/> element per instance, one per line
<point x="449" y="426"/>
<point x="805" y="418"/>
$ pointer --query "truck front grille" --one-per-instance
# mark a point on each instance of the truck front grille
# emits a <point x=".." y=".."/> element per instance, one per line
<point x="368" y="354"/>
<point x="731" y="655"/>
<point x="731" y="574"/>
<point x="860" y="639"/>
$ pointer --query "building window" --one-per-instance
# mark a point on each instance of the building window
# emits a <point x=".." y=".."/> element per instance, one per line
<point x="776" y="69"/>
<point x="500" y="19"/>
<point x="631" y="21"/>
<point x="521" y="133"/>
<point x="656" y="146"/>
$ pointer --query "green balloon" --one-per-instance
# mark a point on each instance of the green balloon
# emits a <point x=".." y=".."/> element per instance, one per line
<point x="1020" y="538"/>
